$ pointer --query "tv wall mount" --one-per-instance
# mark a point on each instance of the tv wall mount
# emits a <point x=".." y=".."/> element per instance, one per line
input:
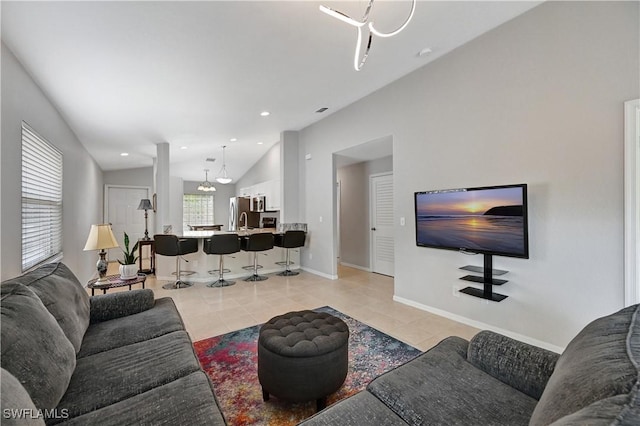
<point x="486" y="280"/>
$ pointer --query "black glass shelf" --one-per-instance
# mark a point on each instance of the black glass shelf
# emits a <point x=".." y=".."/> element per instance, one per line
<point x="478" y="292"/>
<point x="480" y="270"/>
<point x="477" y="279"/>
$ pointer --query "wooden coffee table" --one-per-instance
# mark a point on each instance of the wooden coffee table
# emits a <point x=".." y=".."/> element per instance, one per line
<point x="115" y="281"/>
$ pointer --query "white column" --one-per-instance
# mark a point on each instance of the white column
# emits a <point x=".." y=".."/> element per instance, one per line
<point x="163" y="185"/>
<point x="289" y="177"/>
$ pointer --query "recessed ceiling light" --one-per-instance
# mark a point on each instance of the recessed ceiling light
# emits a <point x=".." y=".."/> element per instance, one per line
<point x="184" y="147"/>
<point x="124" y="154"/>
<point x="233" y="139"/>
<point x="265" y="113"/>
<point x="259" y="143"/>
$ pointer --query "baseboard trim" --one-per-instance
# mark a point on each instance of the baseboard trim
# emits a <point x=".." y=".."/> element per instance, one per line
<point x="321" y="274"/>
<point x="478" y="324"/>
<point x="351" y="265"/>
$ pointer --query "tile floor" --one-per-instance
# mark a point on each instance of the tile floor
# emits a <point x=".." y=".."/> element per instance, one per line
<point x="365" y="296"/>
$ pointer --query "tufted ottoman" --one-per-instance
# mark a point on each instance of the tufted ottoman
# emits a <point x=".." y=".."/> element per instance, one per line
<point x="303" y="356"/>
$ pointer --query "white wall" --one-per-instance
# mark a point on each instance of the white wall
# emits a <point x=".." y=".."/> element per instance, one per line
<point x="82" y="200"/>
<point x="266" y="168"/>
<point x="142" y="176"/>
<point x="354" y="231"/>
<point x="537" y="100"/>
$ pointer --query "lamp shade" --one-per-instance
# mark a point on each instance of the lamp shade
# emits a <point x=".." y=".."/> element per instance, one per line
<point x="145" y="204"/>
<point x="100" y="237"/>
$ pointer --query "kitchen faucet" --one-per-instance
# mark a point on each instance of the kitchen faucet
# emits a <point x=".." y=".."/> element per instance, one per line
<point x="245" y="220"/>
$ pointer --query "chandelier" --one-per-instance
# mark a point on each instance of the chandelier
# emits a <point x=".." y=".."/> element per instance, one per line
<point x="206" y="186"/>
<point x="222" y="176"/>
<point x="358" y="59"/>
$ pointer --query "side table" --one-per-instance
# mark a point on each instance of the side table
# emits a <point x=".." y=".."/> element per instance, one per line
<point x="152" y="256"/>
<point x="115" y="281"/>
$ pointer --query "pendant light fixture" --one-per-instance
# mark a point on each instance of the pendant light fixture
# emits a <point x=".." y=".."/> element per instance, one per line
<point x="206" y="186"/>
<point x="222" y="176"/>
<point x="358" y="59"/>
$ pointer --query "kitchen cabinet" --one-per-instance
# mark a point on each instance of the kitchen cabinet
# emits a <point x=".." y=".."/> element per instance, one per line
<point x="273" y="194"/>
<point x="259" y="189"/>
<point x="269" y="189"/>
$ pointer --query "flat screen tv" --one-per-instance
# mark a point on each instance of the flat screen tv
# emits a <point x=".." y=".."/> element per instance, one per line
<point x="487" y="220"/>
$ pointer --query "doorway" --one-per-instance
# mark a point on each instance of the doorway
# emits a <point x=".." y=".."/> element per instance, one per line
<point x="121" y="211"/>
<point x="353" y="169"/>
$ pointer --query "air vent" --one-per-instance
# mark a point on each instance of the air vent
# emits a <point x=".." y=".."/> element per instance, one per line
<point x="323" y="109"/>
<point x="211" y="159"/>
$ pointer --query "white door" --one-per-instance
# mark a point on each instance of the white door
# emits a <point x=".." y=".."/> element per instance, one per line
<point x="632" y="202"/>
<point x="382" y="242"/>
<point x="121" y="211"/>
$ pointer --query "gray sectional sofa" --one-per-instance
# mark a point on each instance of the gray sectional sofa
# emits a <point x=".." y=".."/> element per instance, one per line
<point x="495" y="380"/>
<point x="115" y="359"/>
<point x="125" y="359"/>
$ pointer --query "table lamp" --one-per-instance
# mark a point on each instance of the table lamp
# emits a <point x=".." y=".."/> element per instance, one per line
<point x="145" y="204"/>
<point x="100" y="238"/>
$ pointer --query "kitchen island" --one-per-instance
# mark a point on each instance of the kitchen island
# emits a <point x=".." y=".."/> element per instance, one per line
<point x="200" y="262"/>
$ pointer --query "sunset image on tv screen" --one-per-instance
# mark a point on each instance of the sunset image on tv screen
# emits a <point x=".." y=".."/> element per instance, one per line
<point x="488" y="220"/>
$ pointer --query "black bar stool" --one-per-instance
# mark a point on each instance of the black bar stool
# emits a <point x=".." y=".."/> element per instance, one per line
<point x="255" y="243"/>
<point x="171" y="245"/>
<point x="289" y="240"/>
<point x="221" y="244"/>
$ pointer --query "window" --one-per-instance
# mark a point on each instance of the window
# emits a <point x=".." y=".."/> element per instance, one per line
<point x="41" y="199"/>
<point x="197" y="210"/>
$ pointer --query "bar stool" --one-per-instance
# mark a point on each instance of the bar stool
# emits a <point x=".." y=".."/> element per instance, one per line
<point x="289" y="240"/>
<point x="221" y="244"/>
<point x="255" y="243"/>
<point x="171" y="245"/>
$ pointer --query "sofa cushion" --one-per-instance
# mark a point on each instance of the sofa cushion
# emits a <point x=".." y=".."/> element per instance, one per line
<point x="442" y="387"/>
<point x="17" y="406"/>
<point x="106" y="307"/>
<point x="108" y="377"/>
<point x="187" y="400"/>
<point x="599" y="363"/>
<point x="361" y="409"/>
<point x="63" y="296"/>
<point x="34" y="348"/>
<point x="163" y="318"/>
<point x="518" y="364"/>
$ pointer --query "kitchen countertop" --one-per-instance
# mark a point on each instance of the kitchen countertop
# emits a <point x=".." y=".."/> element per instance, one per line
<point x="202" y="263"/>
<point x="242" y="233"/>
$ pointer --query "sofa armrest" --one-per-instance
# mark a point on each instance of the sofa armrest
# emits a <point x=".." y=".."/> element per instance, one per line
<point x="115" y="305"/>
<point x="524" y="367"/>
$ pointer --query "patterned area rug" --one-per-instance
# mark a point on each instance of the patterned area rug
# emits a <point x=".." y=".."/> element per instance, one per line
<point x="231" y="362"/>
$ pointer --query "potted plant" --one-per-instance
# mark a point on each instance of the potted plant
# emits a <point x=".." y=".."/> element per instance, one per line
<point x="128" y="267"/>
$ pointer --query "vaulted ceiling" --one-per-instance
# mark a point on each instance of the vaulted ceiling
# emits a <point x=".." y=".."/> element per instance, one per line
<point x="129" y="75"/>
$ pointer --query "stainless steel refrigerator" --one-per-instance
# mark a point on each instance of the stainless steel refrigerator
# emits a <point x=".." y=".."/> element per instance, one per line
<point x="237" y="206"/>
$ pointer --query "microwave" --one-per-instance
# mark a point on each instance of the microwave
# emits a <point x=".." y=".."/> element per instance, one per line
<point x="258" y="204"/>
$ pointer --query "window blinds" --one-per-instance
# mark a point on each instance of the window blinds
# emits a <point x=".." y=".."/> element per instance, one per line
<point x="41" y="199"/>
